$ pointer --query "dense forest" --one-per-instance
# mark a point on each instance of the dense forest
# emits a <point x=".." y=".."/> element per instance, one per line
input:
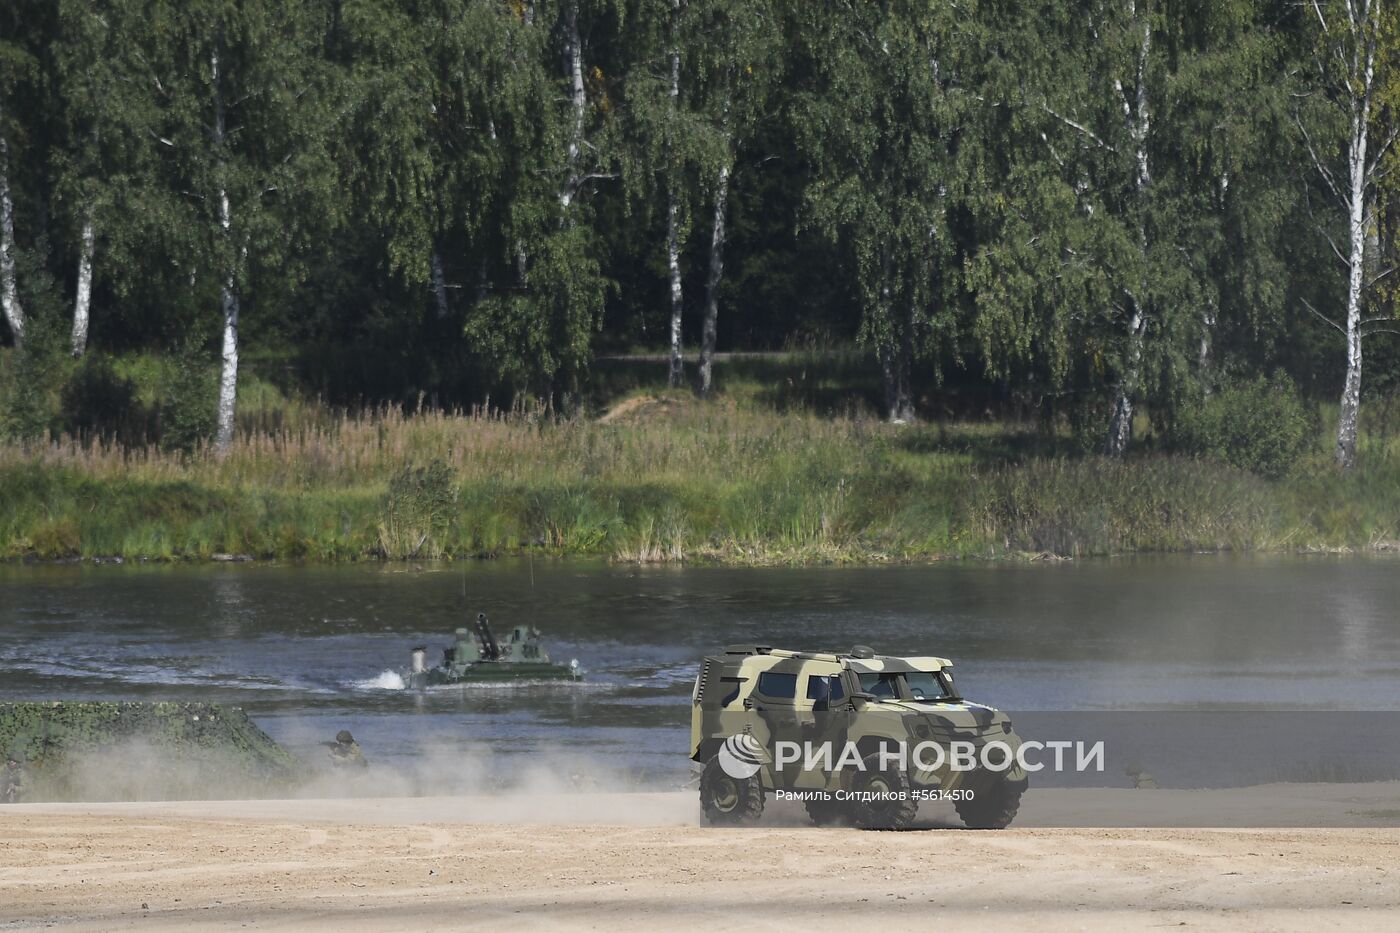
<point x="1086" y="210"/>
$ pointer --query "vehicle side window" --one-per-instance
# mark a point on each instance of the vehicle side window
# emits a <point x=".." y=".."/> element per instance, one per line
<point x="824" y="688"/>
<point x="777" y="686"/>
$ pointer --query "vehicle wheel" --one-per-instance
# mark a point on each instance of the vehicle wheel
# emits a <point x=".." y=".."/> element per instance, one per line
<point x="827" y="812"/>
<point x="729" y="801"/>
<point x="896" y="812"/>
<point x="993" y="807"/>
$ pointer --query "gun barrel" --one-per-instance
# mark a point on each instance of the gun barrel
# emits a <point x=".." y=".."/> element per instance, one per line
<point x="490" y="649"/>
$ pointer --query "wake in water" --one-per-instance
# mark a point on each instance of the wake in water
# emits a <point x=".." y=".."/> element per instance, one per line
<point x="385" y="680"/>
<point x="393" y="680"/>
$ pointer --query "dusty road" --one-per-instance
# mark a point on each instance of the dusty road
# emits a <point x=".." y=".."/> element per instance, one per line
<point x="632" y="862"/>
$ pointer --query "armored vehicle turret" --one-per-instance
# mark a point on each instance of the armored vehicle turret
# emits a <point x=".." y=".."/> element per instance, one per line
<point x="482" y="658"/>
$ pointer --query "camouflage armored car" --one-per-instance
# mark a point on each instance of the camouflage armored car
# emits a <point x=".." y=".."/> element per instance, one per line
<point x="859" y="738"/>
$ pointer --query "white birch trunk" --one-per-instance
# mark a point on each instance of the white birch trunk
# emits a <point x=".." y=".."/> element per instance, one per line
<point x="1208" y="318"/>
<point x="82" y="297"/>
<point x="439" y="285"/>
<point x="1364" y="20"/>
<point x="712" y="282"/>
<point x="673" y="263"/>
<point x="673" y="233"/>
<point x="228" y="373"/>
<point x="896" y="364"/>
<point x="9" y="286"/>
<point x="895" y="371"/>
<point x="578" y="100"/>
<point x="1120" y="425"/>
<point x="1356" y="223"/>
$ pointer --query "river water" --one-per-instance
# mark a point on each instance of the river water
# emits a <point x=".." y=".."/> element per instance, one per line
<point x="309" y="650"/>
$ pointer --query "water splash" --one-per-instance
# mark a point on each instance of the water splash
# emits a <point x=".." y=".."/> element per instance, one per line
<point x="386" y="680"/>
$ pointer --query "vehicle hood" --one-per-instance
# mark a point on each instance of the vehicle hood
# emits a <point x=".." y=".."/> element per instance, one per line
<point x="960" y="716"/>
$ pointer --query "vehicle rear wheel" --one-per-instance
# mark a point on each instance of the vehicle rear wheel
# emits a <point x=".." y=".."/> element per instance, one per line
<point x="993" y="807"/>
<point x="894" y="807"/>
<point x="827" y="812"/>
<point x="729" y="801"/>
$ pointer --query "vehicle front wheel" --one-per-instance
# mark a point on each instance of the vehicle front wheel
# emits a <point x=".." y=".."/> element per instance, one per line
<point x="729" y="801"/>
<point x="890" y="804"/>
<point x="993" y="807"/>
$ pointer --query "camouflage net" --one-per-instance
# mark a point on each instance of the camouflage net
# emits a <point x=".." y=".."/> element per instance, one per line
<point x="142" y="751"/>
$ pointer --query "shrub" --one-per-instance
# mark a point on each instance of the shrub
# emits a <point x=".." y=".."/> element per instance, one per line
<point x="31" y="382"/>
<point x="1088" y="414"/>
<point x="187" y="411"/>
<point x="418" y="511"/>
<point x="97" y="401"/>
<point x="1261" y="425"/>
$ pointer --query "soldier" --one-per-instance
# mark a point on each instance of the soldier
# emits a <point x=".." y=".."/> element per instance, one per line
<point x="12" y="781"/>
<point x="345" y="751"/>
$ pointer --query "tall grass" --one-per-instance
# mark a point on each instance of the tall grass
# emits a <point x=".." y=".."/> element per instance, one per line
<point x="666" y="480"/>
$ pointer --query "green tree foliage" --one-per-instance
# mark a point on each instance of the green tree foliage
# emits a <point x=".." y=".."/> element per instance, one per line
<point x="883" y="122"/>
<point x="1140" y="212"/>
<point x="1096" y="208"/>
<point x="246" y="103"/>
<point x="551" y="135"/>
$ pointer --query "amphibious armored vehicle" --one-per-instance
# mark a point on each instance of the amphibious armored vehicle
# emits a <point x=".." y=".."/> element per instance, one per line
<point x="859" y="738"/>
<point x="520" y="657"/>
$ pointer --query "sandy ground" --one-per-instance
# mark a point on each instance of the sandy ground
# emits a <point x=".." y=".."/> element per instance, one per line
<point x="641" y="861"/>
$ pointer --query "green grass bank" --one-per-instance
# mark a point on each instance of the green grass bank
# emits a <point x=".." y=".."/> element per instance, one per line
<point x="667" y="478"/>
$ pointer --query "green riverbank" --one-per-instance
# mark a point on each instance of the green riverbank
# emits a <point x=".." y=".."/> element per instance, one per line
<point x="669" y="479"/>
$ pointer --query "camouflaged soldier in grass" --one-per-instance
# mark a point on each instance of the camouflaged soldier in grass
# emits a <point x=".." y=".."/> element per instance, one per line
<point x="12" y="781"/>
<point x="859" y="738"/>
<point x="345" y="751"/>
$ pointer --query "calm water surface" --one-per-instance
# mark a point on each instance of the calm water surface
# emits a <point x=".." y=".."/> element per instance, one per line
<point x="310" y="650"/>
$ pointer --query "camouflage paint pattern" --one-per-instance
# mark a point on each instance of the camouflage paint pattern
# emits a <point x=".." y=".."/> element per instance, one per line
<point x="728" y="700"/>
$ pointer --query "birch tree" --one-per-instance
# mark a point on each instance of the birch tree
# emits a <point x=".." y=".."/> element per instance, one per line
<point x="1229" y="186"/>
<point x="882" y="122"/>
<point x="15" y="62"/>
<point x="663" y="143"/>
<point x="9" y="286"/>
<point x="674" y="218"/>
<point x="103" y="119"/>
<point x="1349" y="136"/>
<point x="389" y="52"/>
<point x="244" y="96"/>
<point x="1103" y="256"/>
<point x="552" y="116"/>
<point x="738" y="60"/>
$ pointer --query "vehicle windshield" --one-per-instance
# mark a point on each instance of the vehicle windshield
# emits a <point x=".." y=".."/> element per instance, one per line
<point x="880" y="685"/>
<point x="915" y="685"/>
<point x="926" y="685"/>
